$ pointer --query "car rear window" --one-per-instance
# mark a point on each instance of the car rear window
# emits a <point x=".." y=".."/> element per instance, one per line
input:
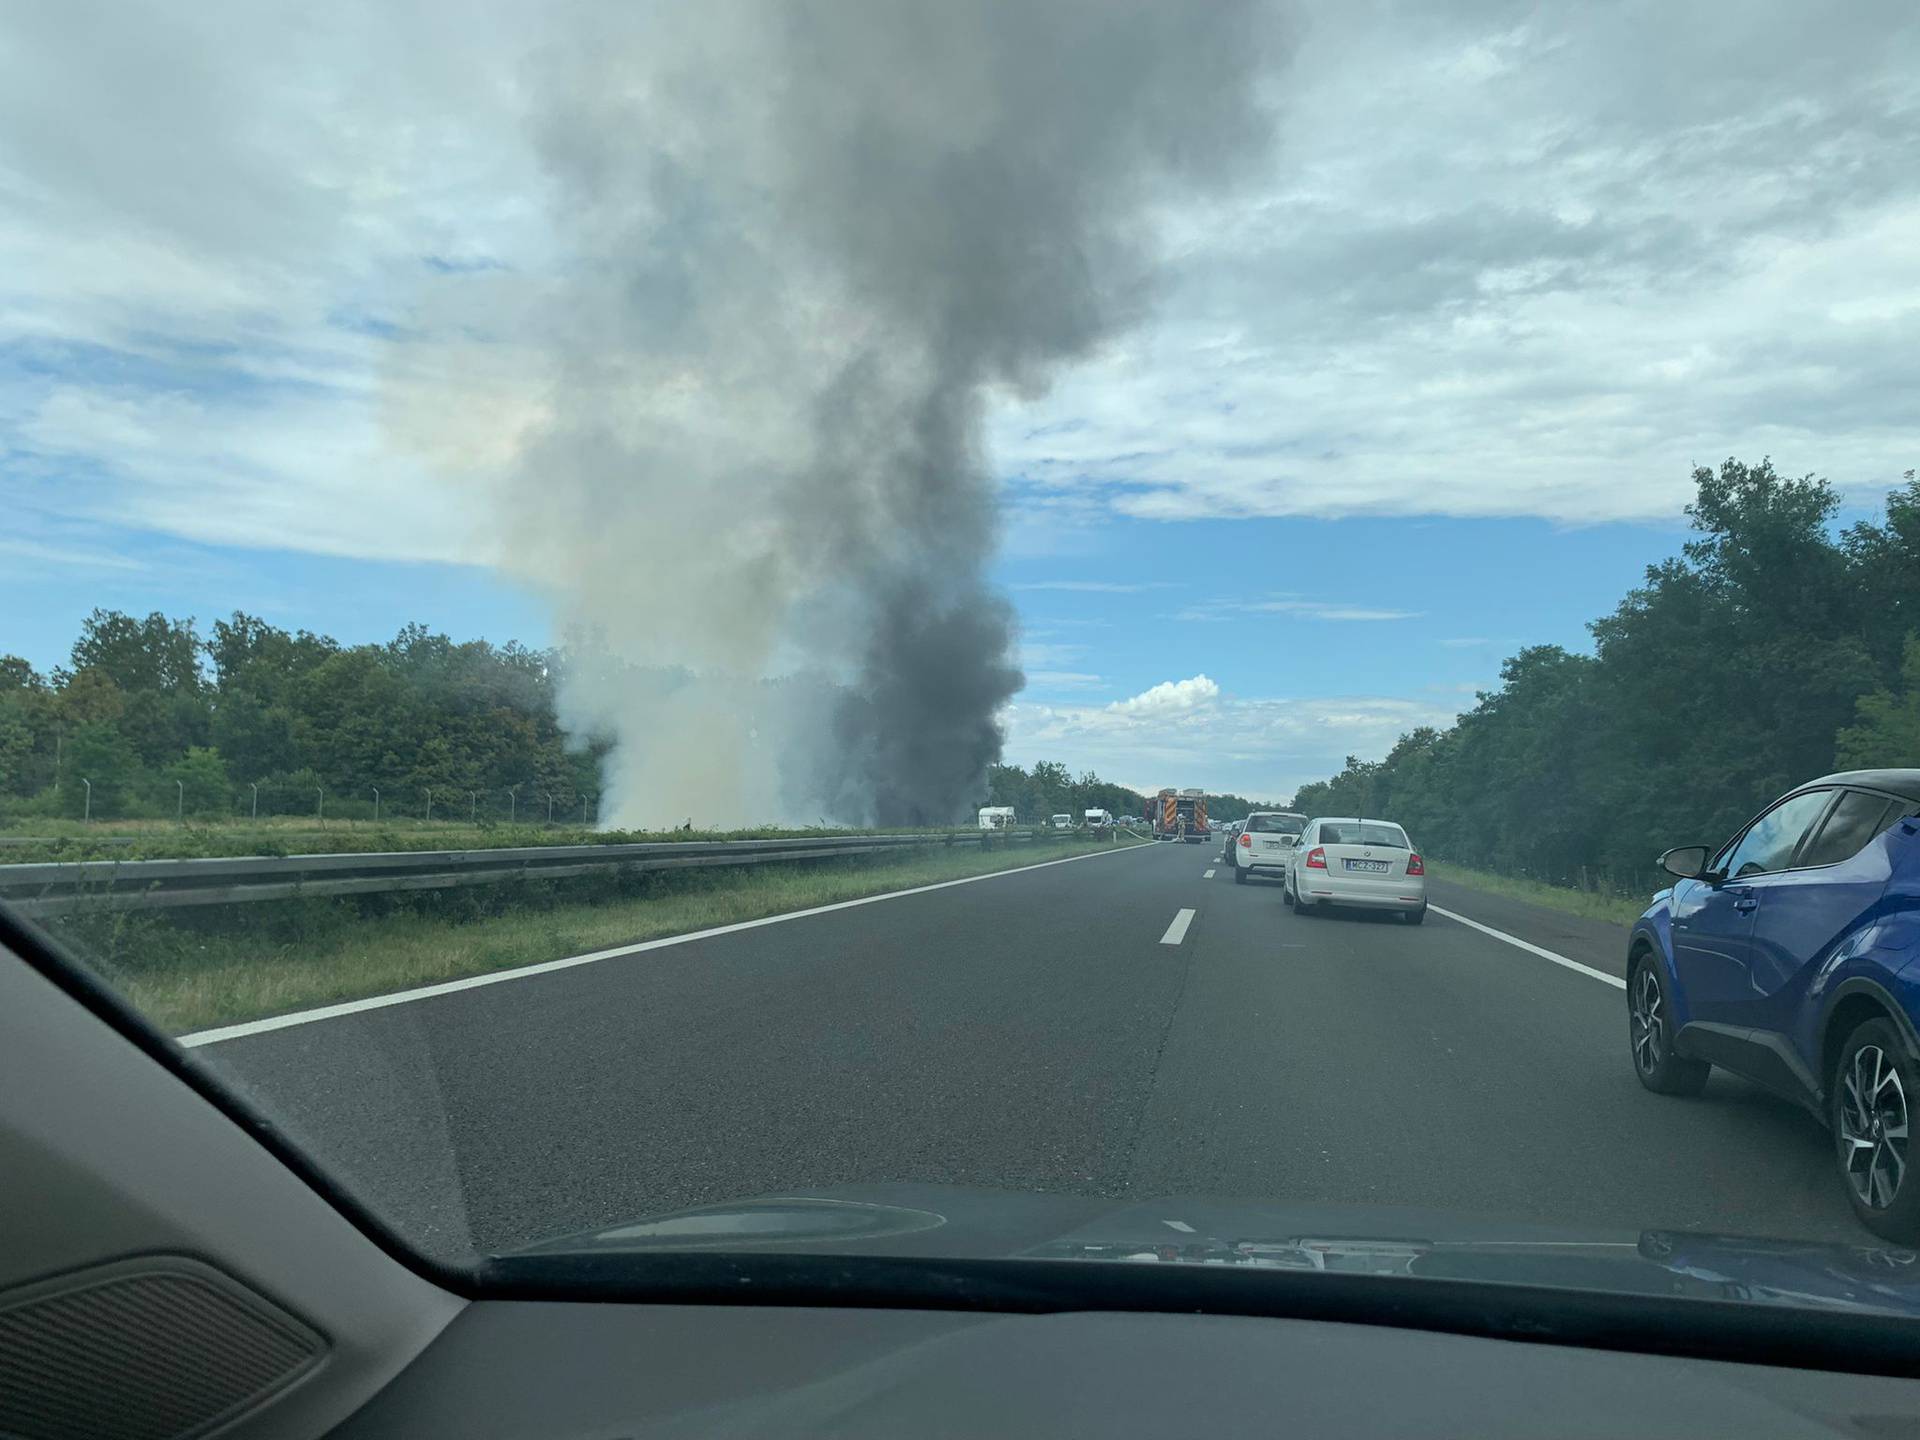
<point x="1855" y="820"/>
<point x="1364" y="832"/>
<point x="1273" y="825"/>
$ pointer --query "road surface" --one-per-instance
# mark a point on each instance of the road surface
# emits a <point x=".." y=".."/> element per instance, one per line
<point x="1118" y="1024"/>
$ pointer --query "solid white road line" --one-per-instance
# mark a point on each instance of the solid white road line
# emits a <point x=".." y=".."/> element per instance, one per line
<point x="1177" y="931"/>
<point x="1532" y="949"/>
<point x="1207" y="876"/>
<point x="500" y="977"/>
<point x="1180" y="1225"/>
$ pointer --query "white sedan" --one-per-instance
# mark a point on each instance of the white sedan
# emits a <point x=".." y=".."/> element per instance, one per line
<point x="1265" y="844"/>
<point x="1368" y="864"/>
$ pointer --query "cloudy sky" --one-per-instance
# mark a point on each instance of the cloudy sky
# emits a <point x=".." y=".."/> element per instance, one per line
<point x="1428" y="388"/>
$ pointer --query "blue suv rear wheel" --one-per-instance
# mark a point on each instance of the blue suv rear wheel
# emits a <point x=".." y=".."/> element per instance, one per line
<point x="1870" y="1107"/>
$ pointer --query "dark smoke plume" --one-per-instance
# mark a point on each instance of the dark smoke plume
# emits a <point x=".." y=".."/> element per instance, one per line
<point x="807" y="243"/>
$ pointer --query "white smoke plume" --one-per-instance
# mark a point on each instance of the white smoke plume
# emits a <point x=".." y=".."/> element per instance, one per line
<point x="806" y="243"/>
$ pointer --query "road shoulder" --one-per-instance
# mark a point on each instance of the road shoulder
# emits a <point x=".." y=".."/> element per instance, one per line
<point x="1596" y="943"/>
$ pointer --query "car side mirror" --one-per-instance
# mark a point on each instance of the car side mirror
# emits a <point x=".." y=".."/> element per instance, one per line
<point x="1689" y="862"/>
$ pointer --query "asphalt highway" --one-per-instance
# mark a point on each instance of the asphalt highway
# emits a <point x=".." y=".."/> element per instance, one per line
<point x="1062" y="1029"/>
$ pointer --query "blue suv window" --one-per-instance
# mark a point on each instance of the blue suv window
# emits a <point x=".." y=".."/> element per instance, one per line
<point x="1855" y="820"/>
<point x="1769" y="842"/>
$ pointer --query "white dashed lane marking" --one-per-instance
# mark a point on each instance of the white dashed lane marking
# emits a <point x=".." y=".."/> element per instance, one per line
<point x="1177" y="931"/>
<point x="1532" y="949"/>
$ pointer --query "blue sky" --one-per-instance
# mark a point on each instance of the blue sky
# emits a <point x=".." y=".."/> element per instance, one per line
<point x="1299" y="408"/>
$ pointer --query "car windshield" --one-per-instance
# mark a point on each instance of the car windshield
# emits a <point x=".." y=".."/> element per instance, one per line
<point x="619" y="620"/>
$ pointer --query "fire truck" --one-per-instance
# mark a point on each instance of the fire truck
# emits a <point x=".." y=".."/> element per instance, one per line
<point x="1180" y="815"/>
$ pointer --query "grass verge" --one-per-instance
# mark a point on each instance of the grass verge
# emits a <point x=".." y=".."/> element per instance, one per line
<point x="1593" y="905"/>
<point x="192" y="970"/>
<point x="47" y="840"/>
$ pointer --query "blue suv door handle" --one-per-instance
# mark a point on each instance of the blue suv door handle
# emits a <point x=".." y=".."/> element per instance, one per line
<point x="1744" y="899"/>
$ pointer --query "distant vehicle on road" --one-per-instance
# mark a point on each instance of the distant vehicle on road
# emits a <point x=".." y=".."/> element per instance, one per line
<point x="1180" y="815"/>
<point x="1062" y="822"/>
<point x="1265" y="844"/>
<point x="1099" y="820"/>
<point x="1368" y="864"/>
<point x="997" y="817"/>
<point x="1787" y="956"/>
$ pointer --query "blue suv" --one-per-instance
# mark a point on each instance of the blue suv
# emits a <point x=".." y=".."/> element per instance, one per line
<point x="1787" y="956"/>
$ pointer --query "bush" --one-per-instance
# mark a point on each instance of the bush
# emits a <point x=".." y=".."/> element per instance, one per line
<point x="198" y="783"/>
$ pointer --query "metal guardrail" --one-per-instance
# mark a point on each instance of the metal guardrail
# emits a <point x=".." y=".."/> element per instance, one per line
<point x="56" y="887"/>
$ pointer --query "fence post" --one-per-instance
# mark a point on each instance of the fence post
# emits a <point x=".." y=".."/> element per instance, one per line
<point x="254" y="786"/>
<point x="87" y="817"/>
<point x="376" y="804"/>
<point x="429" y="804"/>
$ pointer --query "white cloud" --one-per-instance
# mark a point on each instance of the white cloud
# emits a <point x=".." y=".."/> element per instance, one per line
<point x="1038" y="654"/>
<point x="1324" y="610"/>
<point x="1566" y="263"/>
<point x="1063" y="680"/>
<point x="1169" y="697"/>
<point x="1569" y="260"/>
<point x="1292" y="605"/>
<point x="41" y="556"/>
<point x="1095" y="587"/>
<point x="1261" y="748"/>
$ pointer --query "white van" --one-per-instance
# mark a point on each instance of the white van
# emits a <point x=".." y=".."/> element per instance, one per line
<point x="997" y="817"/>
<point x="1062" y="822"/>
<point x="1099" y="820"/>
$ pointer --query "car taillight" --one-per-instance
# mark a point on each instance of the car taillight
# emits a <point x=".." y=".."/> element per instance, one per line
<point x="1316" y="859"/>
<point x="1247" y="840"/>
<point x="1415" y="865"/>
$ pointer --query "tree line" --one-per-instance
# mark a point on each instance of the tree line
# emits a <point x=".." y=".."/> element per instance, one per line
<point x="153" y="718"/>
<point x="1775" y="648"/>
<point x="1049" y="788"/>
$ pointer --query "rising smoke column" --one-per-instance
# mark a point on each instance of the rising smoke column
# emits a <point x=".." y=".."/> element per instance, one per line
<point x="805" y="243"/>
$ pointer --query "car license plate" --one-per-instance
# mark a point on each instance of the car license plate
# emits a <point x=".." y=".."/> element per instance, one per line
<point x="1377" y="867"/>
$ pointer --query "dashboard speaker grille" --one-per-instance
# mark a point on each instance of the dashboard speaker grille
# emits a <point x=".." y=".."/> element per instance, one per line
<point x="155" y="1349"/>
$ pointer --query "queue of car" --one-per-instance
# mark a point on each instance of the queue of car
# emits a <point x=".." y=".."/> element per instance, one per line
<point x="1789" y="955"/>
<point x="1329" y="862"/>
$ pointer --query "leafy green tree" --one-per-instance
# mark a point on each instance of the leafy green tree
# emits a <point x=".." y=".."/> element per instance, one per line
<point x="206" y="788"/>
<point x="154" y="654"/>
<point x="29" y="729"/>
<point x="99" y="754"/>
<point x="1887" y="731"/>
<point x="1718" y="682"/>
